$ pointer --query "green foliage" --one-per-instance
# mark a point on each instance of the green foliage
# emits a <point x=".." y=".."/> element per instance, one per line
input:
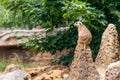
<point x="62" y="40"/>
<point x="3" y="65"/>
<point x="5" y="16"/>
<point x="49" y="14"/>
<point x="112" y="13"/>
<point x="32" y="42"/>
<point x="23" y="12"/>
<point x="111" y="10"/>
<point x="38" y="12"/>
<point x="77" y="10"/>
<point x="65" y="15"/>
<point x="58" y="13"/>
<point x="95" y="43"/>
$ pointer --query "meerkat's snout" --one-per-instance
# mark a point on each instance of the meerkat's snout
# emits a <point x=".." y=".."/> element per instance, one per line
<point x="74" y="24"/>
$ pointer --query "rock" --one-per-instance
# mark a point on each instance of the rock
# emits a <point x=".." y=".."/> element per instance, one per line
<point x="62" y="52"/>
<point x="51" y="73"/>
<point x="14" y="75"/>
<point x="9" y="37"/>
<point x="113" y="71"/>
<point x="82" y="67"/>
<point x="35" y="71"/>
<point x="14" y="72"/>
<point x="109" y="49"/>
<point x="65" y="76"/>
<point x="12" y="67"/>
<point x="43" y="58"/>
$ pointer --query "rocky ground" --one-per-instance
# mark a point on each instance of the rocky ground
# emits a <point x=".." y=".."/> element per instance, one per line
<point x="48" y="72"/>
<point x="41" y="62"/>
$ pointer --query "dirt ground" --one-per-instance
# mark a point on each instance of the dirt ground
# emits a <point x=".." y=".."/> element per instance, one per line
<point x="43" y="69"/>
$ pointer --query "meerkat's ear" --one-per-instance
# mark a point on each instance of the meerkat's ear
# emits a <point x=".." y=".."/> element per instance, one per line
<point x="80" y="23"/>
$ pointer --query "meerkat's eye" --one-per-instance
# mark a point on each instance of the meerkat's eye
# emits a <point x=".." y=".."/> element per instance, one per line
<point x="77" y="22"/>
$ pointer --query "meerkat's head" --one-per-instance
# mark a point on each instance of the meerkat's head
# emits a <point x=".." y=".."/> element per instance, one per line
<point x="78" y="23"/>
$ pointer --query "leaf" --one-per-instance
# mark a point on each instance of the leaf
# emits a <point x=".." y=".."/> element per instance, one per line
<point x="66" y="15"/>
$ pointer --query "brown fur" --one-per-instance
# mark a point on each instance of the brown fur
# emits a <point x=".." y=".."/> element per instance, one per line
<point x="84" y="34"/>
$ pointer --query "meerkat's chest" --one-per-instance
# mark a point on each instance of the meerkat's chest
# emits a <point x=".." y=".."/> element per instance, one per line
<point x="84" y="34"/>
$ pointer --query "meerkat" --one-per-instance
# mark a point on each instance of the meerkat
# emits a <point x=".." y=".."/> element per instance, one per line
<point x="84" y="35"/>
